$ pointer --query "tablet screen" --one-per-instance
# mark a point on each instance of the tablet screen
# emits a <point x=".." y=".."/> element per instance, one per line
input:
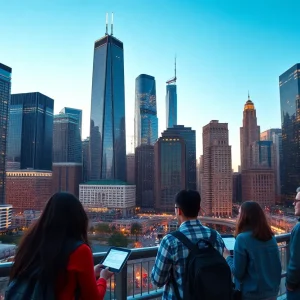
<point x="115" y="259"/>
<point x="229" y="242"/>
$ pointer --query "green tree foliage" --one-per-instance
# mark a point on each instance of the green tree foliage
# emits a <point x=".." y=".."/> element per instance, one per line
<point x="118" y="239"/>
<point x="102" y="228"/>
<point x="136" y="229"/>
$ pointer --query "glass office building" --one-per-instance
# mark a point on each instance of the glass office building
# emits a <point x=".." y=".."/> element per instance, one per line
<point x="171" y="105"/>
<point x="66" y="139"/>
<point x="289" y="84"/>
<point x="107" y="128"/>
<point x="29" y="144"/>
<point x="189" y="137"/>
<point x="74" y="112"/>
<point x="5" y="85"/>
<point x="145" y="119"/>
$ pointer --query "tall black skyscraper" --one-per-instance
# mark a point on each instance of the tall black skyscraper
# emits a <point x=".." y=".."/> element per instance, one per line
<point x="189" y="137"/>
<point x="29" y="144"/>
<point x="66" y="139"/>
<point x="145" y="118"/>
<point x="289" y="83"/>
<point x="107" y="128"/>
<point x="5" y="84"/>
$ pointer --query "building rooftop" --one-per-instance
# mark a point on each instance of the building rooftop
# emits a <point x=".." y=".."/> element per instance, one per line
<point x="107" y="182"/>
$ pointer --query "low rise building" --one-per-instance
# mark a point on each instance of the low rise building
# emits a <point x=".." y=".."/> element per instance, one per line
<point x="108" y="194"/>
<point x="5" y="216"/>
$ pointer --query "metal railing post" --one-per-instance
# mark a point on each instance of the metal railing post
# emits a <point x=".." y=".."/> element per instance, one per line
<point x="121" y="284"/>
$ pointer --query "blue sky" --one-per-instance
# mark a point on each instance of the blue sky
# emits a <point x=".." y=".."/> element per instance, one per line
<point x="224" y="48"/>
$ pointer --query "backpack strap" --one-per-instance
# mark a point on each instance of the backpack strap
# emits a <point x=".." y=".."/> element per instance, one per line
<point x="184" y="240"/>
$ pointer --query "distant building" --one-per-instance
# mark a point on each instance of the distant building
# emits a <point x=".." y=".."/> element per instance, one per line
<point x="25" y="219"/>
<point x="217" y="173"/>
<point x="200" y="174"/>
<point x="130" y="165"/>
<point x="67" y="177"/>
<point x="107" y="127"/>
<point x="189" y="137"/>
<point x="258" y="161"/>
<point x="170" y="170"/>
<point x="236" y="187"/>
<point x="85" y="159"/>
<point x="66" y="139"/>
<point x="108" y="194"/>
<point x="289" y="84"/>
<point x="171" y="101"/>
<point x="5" y="216"/>
<point x="29" y="144"/>
<point x="76" y="113"/>
<point x="28" y="190"/>
<point x="145" y="118"/>
<point x="5" y="98"/>
<point x="144" y="177"/>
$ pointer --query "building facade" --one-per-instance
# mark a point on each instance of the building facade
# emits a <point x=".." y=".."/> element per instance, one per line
<point x="130" y="165"/>
<point x="66" y="139"/>
<point x="5" y="216"/>
<point x="217" y="172"/>
<point x="144" y="177"/>
<point x="108" y="194"/>
<point x="236" y="187"/>
<point x="5" y="98"/>
<point x="171" y="105"/>
<point x="85" y="159"/>
<point x="107" y="127"/>
<point x="29" y="144"/>
<point x="145" y="118"/>
<point x="66" y="177"/>
<point x="76" y="113"/>
<point x="289" y="84"/>
<point x="170" y="171"/>
<point x="28" y="190"/>
<point x="189" y="137"/>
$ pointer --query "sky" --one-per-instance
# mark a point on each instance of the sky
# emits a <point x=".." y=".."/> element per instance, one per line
<point x="224" y="48"/>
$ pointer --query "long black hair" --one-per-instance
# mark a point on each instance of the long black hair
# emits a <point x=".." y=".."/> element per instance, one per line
<point x="43" y="245"/>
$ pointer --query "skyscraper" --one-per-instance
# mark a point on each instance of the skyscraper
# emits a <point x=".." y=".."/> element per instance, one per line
<point x="74" y="112"/>
<point x="189" y="137"/>
<point x="257" y="161"/>
<point x="145" y="119"/>
<point x="66" y="139"/>
<point x="85" y="159"/>
<point x="5" y="85"/>
<point x="170" y="172"/>
<point x="249" y="133"/>
<point x="130" y="165"/>
<point x="289" y="83"/>
<point x="217" y="173"/>
<point x="29" y="144"/>
<point x="107" y="128"/>
<point x="171" y="101"/>
<point x="144" y="177"/>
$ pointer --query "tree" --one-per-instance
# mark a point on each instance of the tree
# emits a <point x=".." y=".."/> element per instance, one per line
<point x="118" y="239"/>
<point x="102" y="228"/>
<point x="136" y="229"/>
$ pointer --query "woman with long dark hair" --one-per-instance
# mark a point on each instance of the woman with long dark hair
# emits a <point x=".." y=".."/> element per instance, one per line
<point x="255" y="264"/>
<point x="56" y="248"/>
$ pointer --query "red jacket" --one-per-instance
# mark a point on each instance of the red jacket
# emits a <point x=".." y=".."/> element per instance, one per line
<point x="81" y="272"/>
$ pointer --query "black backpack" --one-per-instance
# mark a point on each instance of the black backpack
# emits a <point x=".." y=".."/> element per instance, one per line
<point x="29" y="287"/>
<point x="207" y="275"/>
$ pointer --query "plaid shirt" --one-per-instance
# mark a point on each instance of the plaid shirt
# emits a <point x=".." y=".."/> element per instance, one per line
<point x="172" y="256"/>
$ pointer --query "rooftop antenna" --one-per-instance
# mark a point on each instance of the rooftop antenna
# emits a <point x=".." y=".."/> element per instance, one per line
<point x="175" y="68"/>
<point x="112" y="23"/>
<point x="106" y="24"/>
<point x="248" y="95"/>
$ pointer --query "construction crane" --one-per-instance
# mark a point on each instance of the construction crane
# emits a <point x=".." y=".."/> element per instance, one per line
<point x="173" y="79"/>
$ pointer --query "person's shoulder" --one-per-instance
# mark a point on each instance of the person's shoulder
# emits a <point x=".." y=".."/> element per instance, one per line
<point x="244" y="235"/>
<point x="82" y="250"/>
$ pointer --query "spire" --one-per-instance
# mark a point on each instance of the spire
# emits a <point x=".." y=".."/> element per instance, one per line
<point x="106" y="24"/>
<point x="248" y="95"/>
<point x="112" y="23"/>
<point x="175" y="68"/>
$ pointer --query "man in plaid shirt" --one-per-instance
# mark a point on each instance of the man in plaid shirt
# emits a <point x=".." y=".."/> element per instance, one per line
<point x="172" y="254"/>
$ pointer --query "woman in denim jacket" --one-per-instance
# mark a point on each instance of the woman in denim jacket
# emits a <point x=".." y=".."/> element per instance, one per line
<point x="255" y="264"/>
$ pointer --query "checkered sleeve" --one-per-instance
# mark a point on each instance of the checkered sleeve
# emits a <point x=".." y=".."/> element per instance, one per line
<point x="220" y="244"/>
<point x="163" y="263"/>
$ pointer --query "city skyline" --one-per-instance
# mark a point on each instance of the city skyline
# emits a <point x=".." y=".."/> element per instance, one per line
<point x="201" y="85"/>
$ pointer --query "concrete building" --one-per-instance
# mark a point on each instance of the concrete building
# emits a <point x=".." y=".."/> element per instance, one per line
<point x="170" y="171"/>
<point x="5" y="216"/>
<point x="200" y="174"/>
<point x="108" y="194"/>
<point x="28" y="189"/>
<point x="67" y="177"/>
<point x="258" y="162"/>
<point x="130" y="165"/>
<point x="217" y="172"/>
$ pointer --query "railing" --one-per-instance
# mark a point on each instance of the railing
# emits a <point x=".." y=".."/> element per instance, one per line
<point x="133" y="282"/>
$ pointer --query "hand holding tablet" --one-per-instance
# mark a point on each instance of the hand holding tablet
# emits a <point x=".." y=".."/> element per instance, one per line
<point x="229" y="242"/>
<point x="116" y="258"/>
